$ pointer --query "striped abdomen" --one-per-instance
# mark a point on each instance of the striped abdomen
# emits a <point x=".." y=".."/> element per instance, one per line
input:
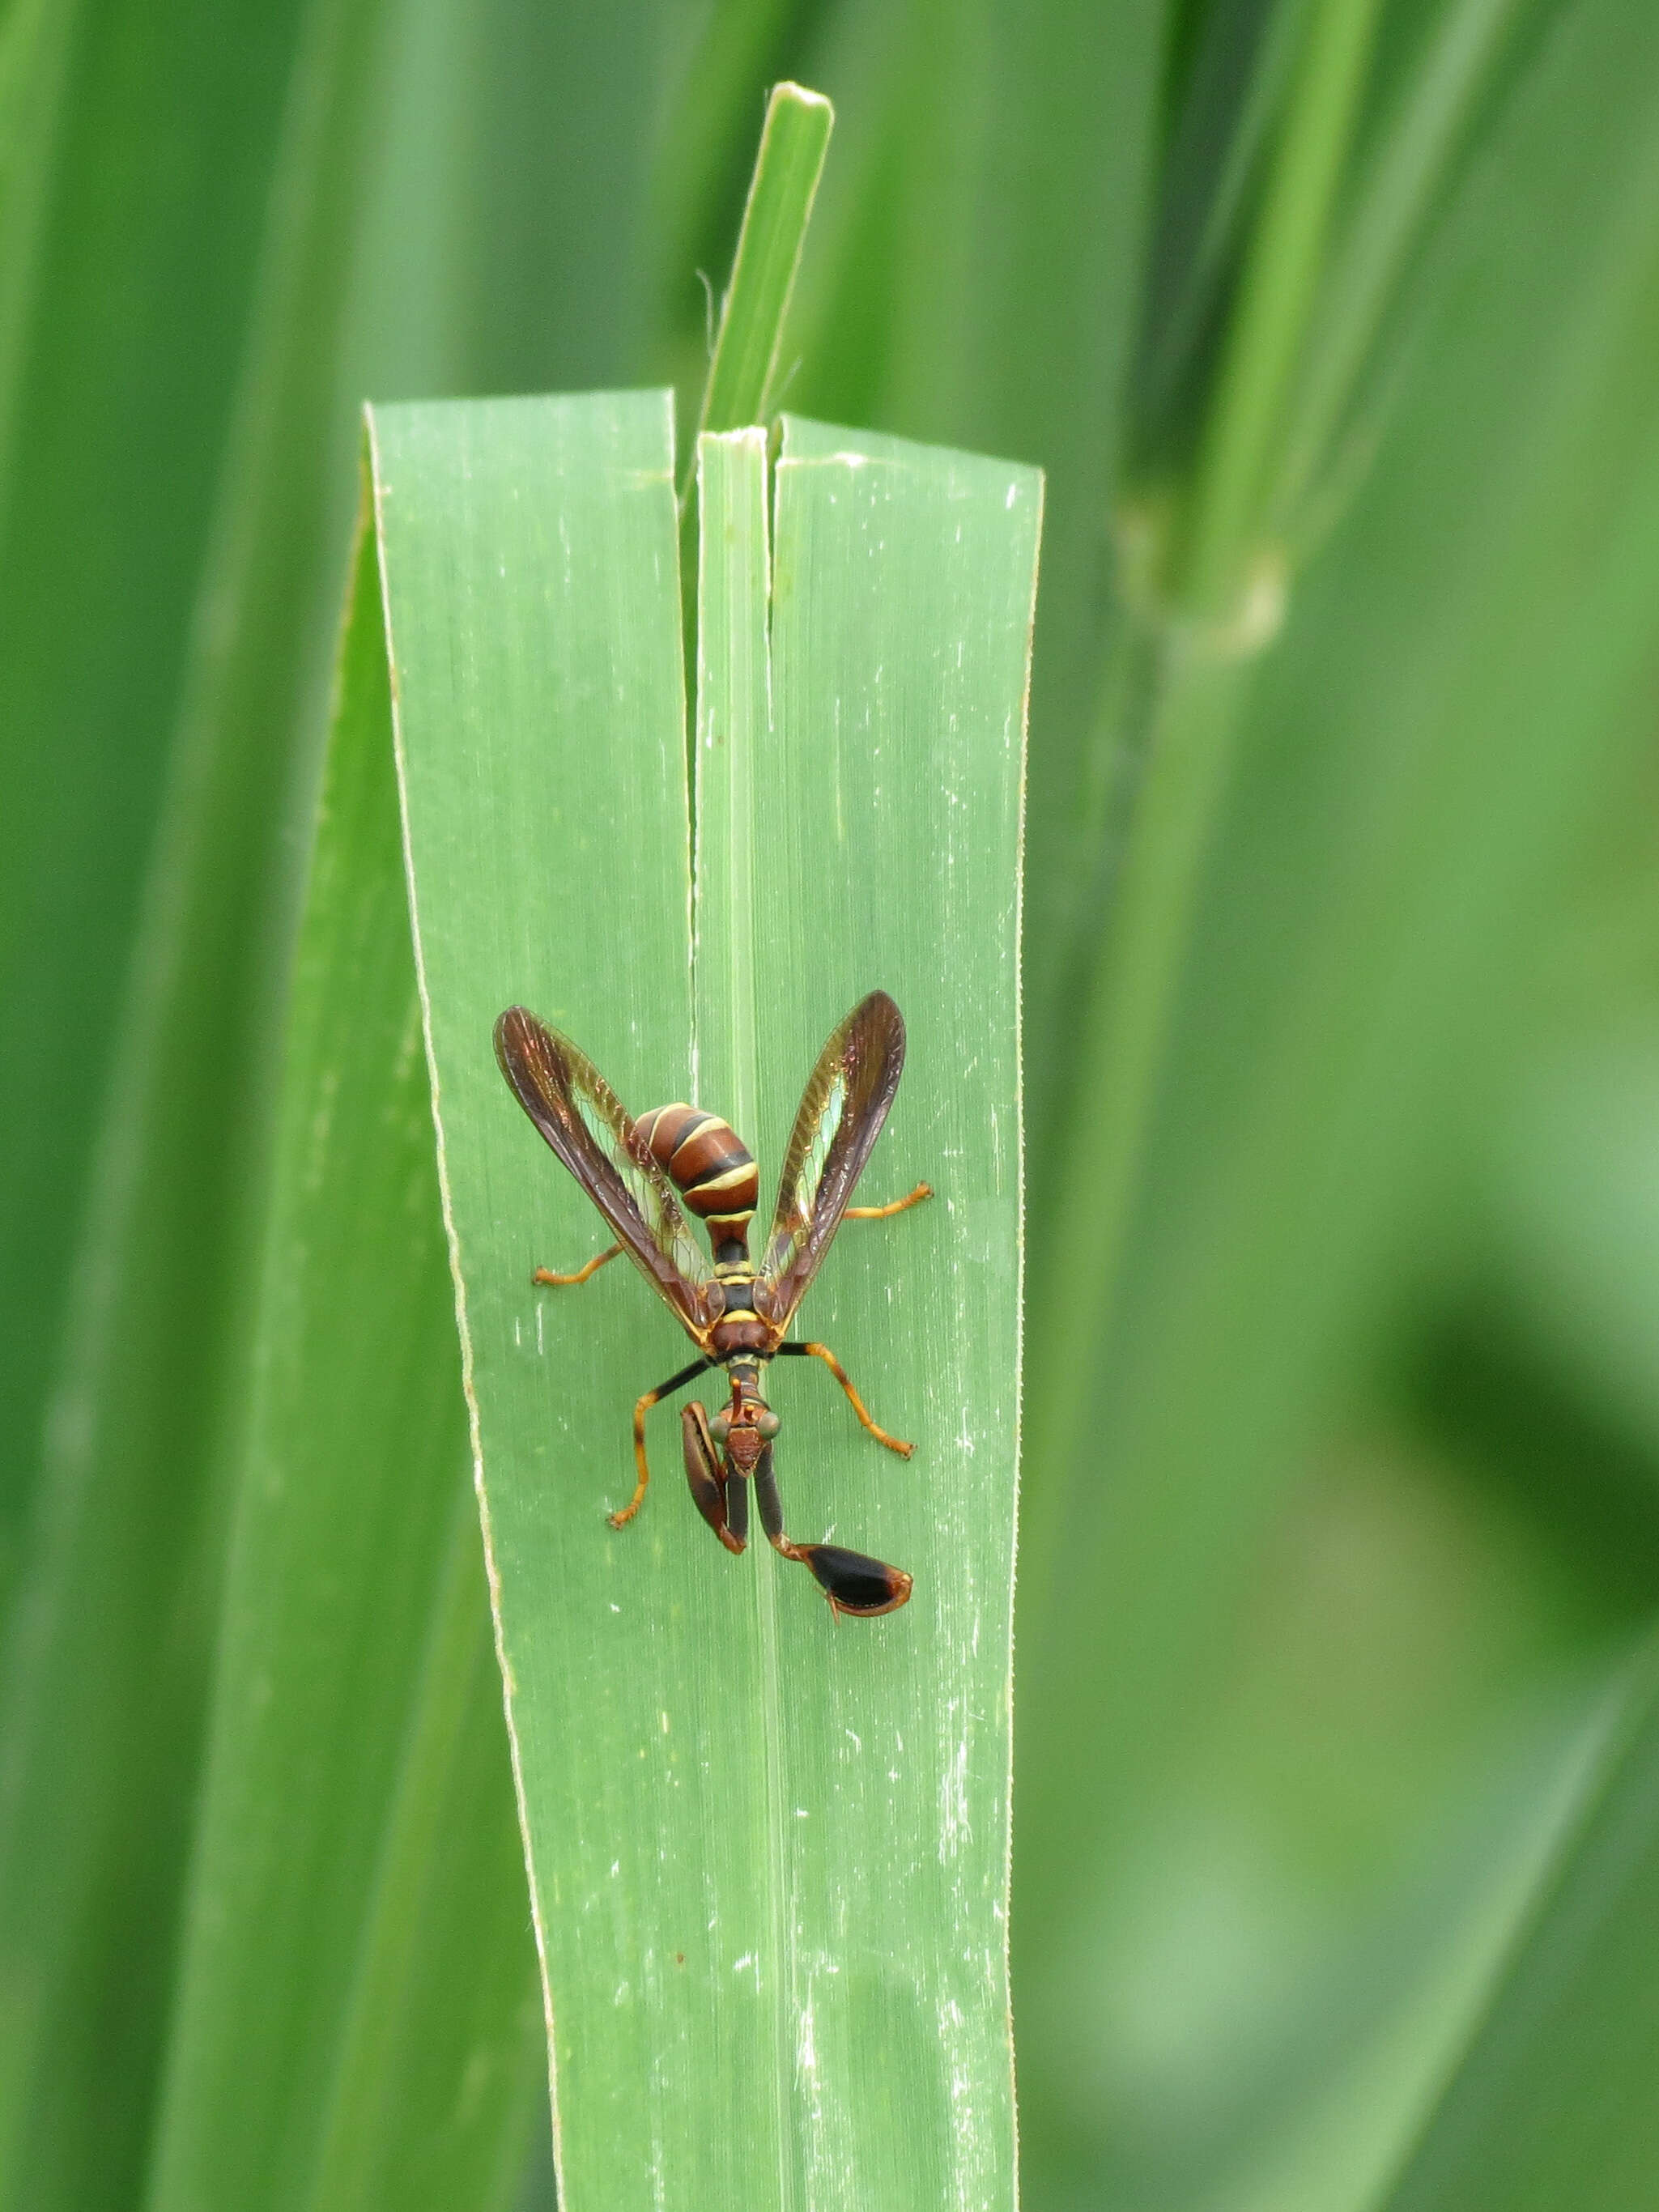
<point x="709" y="1165"/>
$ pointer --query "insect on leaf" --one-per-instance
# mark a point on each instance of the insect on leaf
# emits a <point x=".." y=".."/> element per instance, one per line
<point x="768" y="1852"/>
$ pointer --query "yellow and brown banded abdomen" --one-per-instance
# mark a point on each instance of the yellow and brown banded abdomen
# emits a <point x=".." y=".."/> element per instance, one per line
<point x="708" y="1165"/>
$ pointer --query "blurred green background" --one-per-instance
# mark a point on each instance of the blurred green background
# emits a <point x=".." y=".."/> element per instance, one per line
<point x="1337" y="1812"/>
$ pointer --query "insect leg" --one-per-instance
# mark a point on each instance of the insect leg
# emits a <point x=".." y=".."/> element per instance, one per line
<point x="771" y="1505"/>
<point x="854" y="1583"/>
<point x="546" y="1274"/>
<point x="725" y="1509"/>
<point x="651" y="1398"/>
<point x="737" y="1511"/>
<point x="823" y="1352"/>
<point x="893" y="1206"/>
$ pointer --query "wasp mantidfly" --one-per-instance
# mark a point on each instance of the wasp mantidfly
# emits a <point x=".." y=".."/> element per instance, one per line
<point x="736" y="1313"/>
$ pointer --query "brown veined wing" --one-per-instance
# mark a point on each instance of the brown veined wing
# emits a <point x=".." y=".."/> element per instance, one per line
<point x="840" y="1114"/>
<point x="587" y="1126"/>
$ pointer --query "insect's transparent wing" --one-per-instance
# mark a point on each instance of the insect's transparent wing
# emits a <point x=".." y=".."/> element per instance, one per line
<point x="585" y="1122"/>
<point x="841" y="1113"/>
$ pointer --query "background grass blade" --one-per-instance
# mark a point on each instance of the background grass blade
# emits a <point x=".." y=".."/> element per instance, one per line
<point x="148" y="194"/>
<point x="1551" y="2102"/>
<point x="1451" y="782"/>
<point x="1126" y="1007"/>
<point x="676" y="1920"/>
<point x="1367" y="1522"/>
<point x="330" y="2047"/>
<point x="103" y="1683"/>
<point x="1391" y="206"/>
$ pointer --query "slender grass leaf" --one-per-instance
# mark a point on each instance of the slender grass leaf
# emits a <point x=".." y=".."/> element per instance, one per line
<point x="36" y="45"/>
<point x="781" y="191"/>
<point x="1402" y="816"/>
<point x="103" y="1687"/>
<point x="761" y="1843"/>
<point x="330" y="2048"/>
<point x="1126" y="1008"/>
<point x="1225" y="91"/>
<point x="137" y="209"/>
<point x="785" y="181"/>
<point x="1396" y="199"/>
<point x="1245" y="431"/>
<point x="1553" y="2100"/>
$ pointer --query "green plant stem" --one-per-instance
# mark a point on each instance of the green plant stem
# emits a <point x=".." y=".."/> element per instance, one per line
<point x="1378" y="237"/>
<point x="1270" y="327"/>
<point x="781" y="194"/>
<point x="1121" y="1038"/>
<point x="1128" y="1003"/>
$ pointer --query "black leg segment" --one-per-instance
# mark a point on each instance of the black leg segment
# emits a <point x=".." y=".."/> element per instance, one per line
<point x="737" y="1512"/>
<point x="770" y="1504"/>
<point x="678" y="1382"/>
<point x="854" y="1583"/>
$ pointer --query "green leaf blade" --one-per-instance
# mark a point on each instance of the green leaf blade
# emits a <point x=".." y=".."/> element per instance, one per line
<point x="901" y="596"/>
<point x="164" y="667"/>
<point x="768" y="1850"/>
<point x="355" y="1761"/>
<point x="534" y="610"/>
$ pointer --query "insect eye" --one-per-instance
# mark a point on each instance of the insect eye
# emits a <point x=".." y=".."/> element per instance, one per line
<point x="721" y="1427"/>
<point x="767" y="1423"/>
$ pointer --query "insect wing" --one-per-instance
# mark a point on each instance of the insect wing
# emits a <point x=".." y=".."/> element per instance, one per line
<point x="841" y="1115"/>
<point x="586" y="1124"/>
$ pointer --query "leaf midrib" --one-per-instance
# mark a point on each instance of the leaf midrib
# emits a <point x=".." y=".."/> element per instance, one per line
<point x="733" y="711"/>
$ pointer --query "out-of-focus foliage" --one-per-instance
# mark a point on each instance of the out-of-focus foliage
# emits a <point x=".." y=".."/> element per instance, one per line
<point x="1328" y="1750"/>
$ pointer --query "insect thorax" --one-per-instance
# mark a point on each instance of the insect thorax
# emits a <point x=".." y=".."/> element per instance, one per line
<point x="712" y="1170"/>
<point x="740" y="1329"/>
